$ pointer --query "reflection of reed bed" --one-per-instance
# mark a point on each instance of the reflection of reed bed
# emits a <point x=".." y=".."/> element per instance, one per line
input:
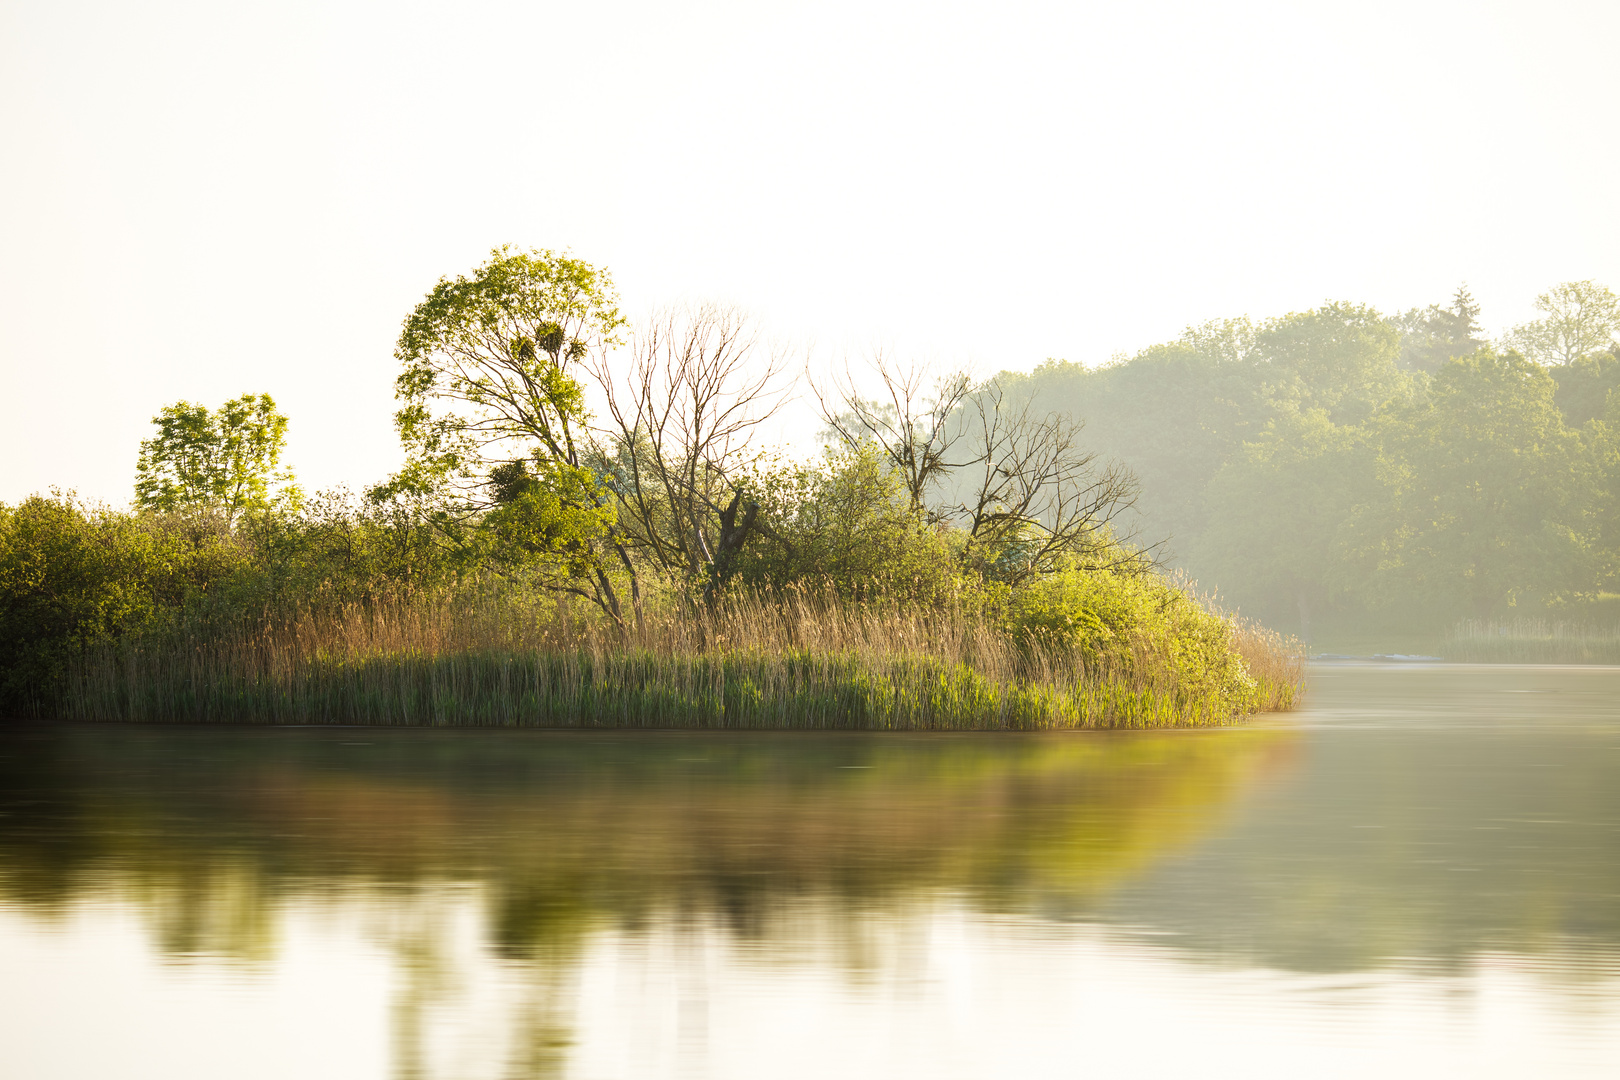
<point x="561" y="831"/>
<point x="804" y="662"/>
<point x="1533" y="641"/>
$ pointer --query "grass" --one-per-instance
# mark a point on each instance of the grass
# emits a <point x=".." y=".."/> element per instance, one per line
<point x="1533" y="641"/>
<point x="804" y="663"/>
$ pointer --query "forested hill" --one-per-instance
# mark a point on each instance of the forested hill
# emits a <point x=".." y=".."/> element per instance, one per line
<point x="1340" y="467"/>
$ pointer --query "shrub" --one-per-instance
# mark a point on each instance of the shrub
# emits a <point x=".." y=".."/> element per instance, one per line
<point x="72" y="576"/>
<point x="1129" y="624"/>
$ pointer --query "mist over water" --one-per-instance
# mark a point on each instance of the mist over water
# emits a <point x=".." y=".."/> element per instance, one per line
<point x="1411" y="875"/>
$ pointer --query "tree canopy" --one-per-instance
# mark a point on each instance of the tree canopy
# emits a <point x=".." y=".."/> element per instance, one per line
<point x="223" y="460"/>
<point x="1340" y="465"/>
<point x="1578" y="317"/>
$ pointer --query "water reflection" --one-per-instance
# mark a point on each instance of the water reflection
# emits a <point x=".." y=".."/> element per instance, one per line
<point x="1441" y="813"/>
<point x="1416" y="872"/>
<point x="208" y="830"/>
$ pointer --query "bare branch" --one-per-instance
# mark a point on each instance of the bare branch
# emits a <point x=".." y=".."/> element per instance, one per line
<point x="682" y="420"/>
<point x="913" y="429"/>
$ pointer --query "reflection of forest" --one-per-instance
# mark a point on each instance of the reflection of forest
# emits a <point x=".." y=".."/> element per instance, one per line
<point x="562" y="829"/>
<point x="785" y="839"/>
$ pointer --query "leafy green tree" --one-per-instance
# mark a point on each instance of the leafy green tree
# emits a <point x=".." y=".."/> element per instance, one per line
<point x="223" y="460"/>
<point x="1178" y="411"/>
<point x="1580" y="317"/>
<point x="1171" y="414"/>
<point x="493" y="416"/>
<point x="1490" y="500"/>
<point x="1339" y="358"/>
<point x="1604" y="437"/>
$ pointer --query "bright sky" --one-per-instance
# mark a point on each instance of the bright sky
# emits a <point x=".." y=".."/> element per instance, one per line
<point x="199" y="199"/>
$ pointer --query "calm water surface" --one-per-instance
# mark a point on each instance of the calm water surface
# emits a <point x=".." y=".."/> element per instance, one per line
<point x="1416" y="875"/>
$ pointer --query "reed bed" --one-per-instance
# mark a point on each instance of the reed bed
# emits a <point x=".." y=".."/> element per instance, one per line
<point x="1276" y="664"/>
<point x="1533" y="641"/>
<point x="801" y="662"/>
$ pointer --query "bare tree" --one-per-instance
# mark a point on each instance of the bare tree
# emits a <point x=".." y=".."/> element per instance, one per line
<point x="683" y="418"/>
<point x="1038" y="499"/>
<point x="913" y="428"/>
<point x="1033" y="498"/>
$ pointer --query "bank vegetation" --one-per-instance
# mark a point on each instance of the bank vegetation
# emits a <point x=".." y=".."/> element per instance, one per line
<point x="951" y="559"/>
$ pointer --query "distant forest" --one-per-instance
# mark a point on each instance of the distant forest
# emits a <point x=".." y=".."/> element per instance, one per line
<point x="1340" y="468"/>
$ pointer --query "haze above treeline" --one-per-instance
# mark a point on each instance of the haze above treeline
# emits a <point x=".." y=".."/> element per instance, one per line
<point x="194" y="206"/>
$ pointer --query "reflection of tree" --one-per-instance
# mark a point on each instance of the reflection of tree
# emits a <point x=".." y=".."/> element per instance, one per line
<point x="560" y="835"/>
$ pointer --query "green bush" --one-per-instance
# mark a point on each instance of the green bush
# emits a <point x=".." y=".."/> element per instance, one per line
<point x="1128" y="624"/>
<point x="844" y="524"/>
<point x="72" y="575"/>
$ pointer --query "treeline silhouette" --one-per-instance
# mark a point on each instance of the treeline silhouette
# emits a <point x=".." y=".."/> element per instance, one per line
<point x="1340" y="471"/>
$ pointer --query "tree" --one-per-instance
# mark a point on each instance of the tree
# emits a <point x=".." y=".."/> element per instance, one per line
<point x="1581" y="317"/>
<point x="223" y="461"/>
<point x="1037" y="501"/>
<point x="73" y="575"/>
<point x="1340" y="358"/>
<point x="1430" y="336"/>
<point x="1171" y="414"/>
<point x="846" y="522"/>
<point x="1489" y="499"/>
<point x="1585" y="385"/>
<point x="683" y="416"/>
<point x="1029" y="498"/>
<point x="1278" y="515"/>
<point x="915" y="429"/>
<point x="493" y="418"/>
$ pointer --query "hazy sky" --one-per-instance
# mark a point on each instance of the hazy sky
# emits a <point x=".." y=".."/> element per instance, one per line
<point x="202" y="199"/>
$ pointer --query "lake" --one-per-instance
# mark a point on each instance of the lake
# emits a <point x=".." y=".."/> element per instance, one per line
<point x="1415" y="874"/>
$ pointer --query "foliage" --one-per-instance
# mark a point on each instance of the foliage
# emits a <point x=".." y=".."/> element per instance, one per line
<point x="1339" y="359"/>
<point x="72" y="576"/>
<point x="1585" y="385"/>
<point x="1279" y="512"/>
<point x="493" y="413"/>
<point x="1580" y="317"/>
<point x="221" y="461"/>
<point x="512" y="490"/>
<point x="1487" y="494"/>
<point x="489" y="365"/>
<point x="1127" y="623"/>
<point x="1336" y="466"/>
<point x="1014" y="481"/>
<point x="1430" y="336"/>
<point x="847" y="523"/>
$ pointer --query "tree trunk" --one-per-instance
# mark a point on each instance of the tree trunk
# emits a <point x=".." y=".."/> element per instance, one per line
<point x="732" y="536"/>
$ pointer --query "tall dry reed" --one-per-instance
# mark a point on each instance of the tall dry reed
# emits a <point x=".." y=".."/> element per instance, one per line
<point x="1533" y="641"/>
<point x="803" y="661"/>
<point x="1276" y="664"/>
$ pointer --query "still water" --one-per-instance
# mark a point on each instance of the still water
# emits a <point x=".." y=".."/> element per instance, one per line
<point x="1417" y="874"/>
